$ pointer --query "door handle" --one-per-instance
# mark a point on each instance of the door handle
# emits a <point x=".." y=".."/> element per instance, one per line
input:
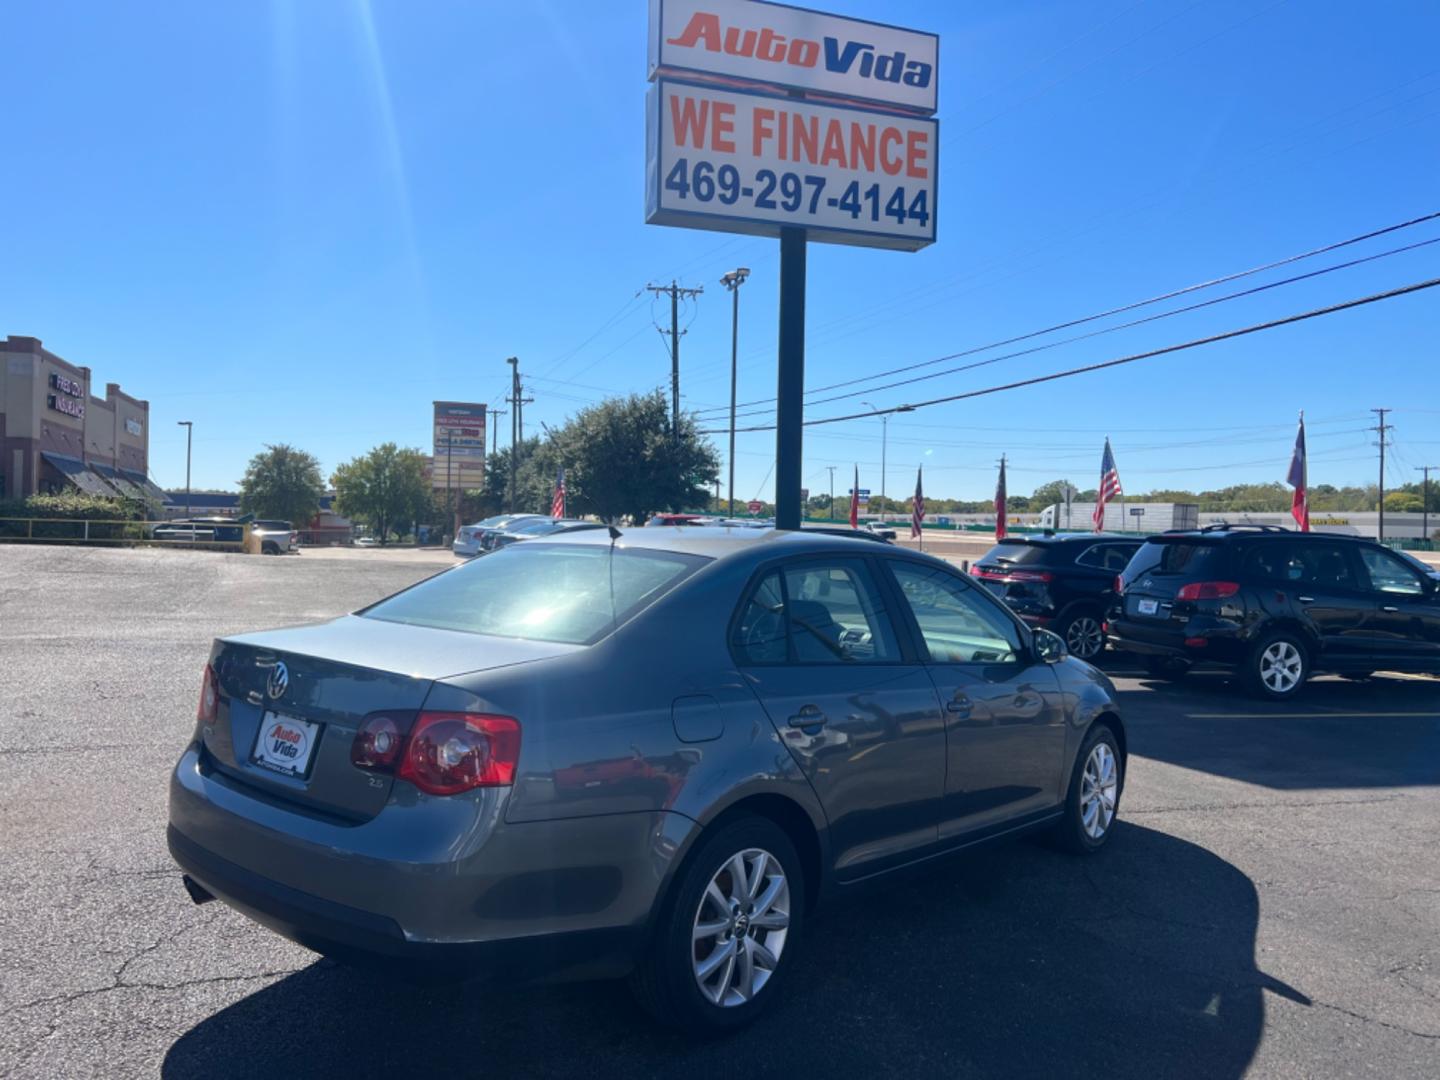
<point x="959" y="706"/>
<point x="1389" y="607"/>
<point x="1306" y="599"/>
<point x="808" y="716"/>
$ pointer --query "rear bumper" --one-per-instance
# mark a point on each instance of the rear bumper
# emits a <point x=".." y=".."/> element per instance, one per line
<point x="432" y="885"/>
<point x="1194" y="642"/>
<point x="375" y="941"/>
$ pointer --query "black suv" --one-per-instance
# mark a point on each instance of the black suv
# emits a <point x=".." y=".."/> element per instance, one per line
<point x="1276" y="605"/>
<point x="1063" y="582"/>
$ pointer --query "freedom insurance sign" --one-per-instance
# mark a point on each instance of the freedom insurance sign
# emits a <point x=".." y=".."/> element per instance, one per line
<point x="752" y="42"/>
<point x="731" y="147"/>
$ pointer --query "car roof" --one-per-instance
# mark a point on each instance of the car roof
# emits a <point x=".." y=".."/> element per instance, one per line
<point x="1263" y="533"/>
<point x="1046" y="539"/>
<point x="728" y="542"/>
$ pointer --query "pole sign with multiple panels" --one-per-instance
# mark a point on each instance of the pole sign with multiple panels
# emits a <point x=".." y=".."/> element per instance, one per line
<point x="459" y="445"/>
<point x="779" y="121"/>
<point x="762" y="116"/>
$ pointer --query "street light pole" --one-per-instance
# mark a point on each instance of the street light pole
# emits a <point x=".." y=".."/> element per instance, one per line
<point x="884" y="443"/>
<point x="830" y="512"/>
<point x="189" y="427"/>
<point x="732" y="281"/>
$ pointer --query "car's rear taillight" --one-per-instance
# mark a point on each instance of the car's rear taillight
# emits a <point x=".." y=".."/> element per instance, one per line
<point x="377" y="744"/>
<point x="209" y="697"/>
<point x="1012" y="575"/>
<point x="1118" y="585"/>
<point x="1207" y="590"/>
<point x="447" y="752"/>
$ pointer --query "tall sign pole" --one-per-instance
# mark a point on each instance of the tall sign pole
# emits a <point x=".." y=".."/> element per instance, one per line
<point x="771" y="120"/>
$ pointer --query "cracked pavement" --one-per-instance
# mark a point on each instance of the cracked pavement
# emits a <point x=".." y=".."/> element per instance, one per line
<point x="1270" y="906"/>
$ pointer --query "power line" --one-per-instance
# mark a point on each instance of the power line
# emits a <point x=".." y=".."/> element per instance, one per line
<point x="1147" y="302"/>
<point x="675" y="292"/>
<point x="1381" y="428"/>
<point x="1330" y="309"/>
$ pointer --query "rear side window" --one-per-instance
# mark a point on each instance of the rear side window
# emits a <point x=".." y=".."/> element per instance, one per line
<point x="1107" y="556"/>
<point x="541" y="592"/>
<point x="815" y="613"/>
<point x="1180" y="557"/>
<point x="959" y="625"/>
<point x="1300" y="562"/>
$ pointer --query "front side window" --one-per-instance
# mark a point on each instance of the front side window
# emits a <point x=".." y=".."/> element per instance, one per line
<point x="1389" y="575"/>
<point x="815" y="613"/>
<point x="958" y="625"/>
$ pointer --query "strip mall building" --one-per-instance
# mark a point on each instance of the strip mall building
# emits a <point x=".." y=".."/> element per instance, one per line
<point x="54" y="433"/>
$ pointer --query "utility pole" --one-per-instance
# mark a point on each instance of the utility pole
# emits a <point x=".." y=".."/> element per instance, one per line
<point x="189" y="426"/>
<point x="1425" y="501"/>
<point x="514" y="363"/>
<point x="675" y="292"/>
<point x="495" y="439"/>
<point x="1382" y="428"/>
<point x="732" y="281"/>
<point x="830" y="513"/>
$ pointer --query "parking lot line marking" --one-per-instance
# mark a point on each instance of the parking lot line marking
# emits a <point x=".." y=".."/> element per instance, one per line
<point x="1308" y="715"/>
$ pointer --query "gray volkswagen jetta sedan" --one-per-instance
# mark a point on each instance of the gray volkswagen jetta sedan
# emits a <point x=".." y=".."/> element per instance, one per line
<point x="647" y="754"/>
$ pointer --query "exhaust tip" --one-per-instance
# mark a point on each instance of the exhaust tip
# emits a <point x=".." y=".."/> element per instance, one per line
<point x="198" y="892"/>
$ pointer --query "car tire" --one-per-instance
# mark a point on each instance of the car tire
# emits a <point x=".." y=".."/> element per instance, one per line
<point x="1092" y="802"/>
<point x="683" y="978"/>
<point x="269" y="549"/>
<point x="1083" y="628"/>
<point x="1278" y="666"/>
<point x="1165" y="667"/>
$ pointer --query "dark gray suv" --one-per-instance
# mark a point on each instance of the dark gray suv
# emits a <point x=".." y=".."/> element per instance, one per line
<point x="646" y="754"/>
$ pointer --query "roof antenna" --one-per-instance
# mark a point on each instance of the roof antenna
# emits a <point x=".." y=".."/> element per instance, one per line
<point x="614" y="615"/>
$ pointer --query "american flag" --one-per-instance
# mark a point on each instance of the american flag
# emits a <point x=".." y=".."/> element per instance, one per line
<point x="557" y="504"/>
<point x="1109" y="487"/>
<point x="1299" y="504"/>
<point x="917" y="508"/>
<point x="1000" y="502"/>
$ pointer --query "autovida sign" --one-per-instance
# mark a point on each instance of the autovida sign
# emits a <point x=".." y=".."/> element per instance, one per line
<point x="762" y="116"/>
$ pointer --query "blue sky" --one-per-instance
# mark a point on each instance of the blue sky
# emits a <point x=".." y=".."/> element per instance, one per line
<point x="303" y="222"/>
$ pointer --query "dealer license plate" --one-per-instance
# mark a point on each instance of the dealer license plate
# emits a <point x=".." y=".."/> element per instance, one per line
<point x="1149" y="607"/>
<point x="286" y="744"/>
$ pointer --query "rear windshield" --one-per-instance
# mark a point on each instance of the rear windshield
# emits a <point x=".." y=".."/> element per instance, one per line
<point x="541" y="592"/>
<point x="1176" y="557"/>
<point x="1016" y="553"/>
<point x="277" y="526"/>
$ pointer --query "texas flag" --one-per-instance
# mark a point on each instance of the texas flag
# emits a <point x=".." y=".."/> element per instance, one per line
<point x="1299" y="506"/>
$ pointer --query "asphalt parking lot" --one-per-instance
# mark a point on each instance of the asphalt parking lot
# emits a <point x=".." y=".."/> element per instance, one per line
<point x="1269" y="907"/>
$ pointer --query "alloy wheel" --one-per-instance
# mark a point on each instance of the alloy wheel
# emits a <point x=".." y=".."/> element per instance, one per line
<point x="1280" y="667"/>
<point x="740" y="927"/>
<point x="1083" y="637"/>
<point x="1099" y="789"/>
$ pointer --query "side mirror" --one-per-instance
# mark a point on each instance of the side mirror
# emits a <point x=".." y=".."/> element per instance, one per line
<point x="1050" y="647"/>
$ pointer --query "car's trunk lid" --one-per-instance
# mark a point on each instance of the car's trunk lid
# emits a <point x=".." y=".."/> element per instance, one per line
<point x="292" y="700"/>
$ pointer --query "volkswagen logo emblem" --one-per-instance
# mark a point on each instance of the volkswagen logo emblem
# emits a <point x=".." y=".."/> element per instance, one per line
<point x="279" y="680"/>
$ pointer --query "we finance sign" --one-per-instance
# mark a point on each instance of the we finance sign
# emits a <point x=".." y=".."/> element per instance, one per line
<point x="740" y="161"/>
<point x="749" y="42"/>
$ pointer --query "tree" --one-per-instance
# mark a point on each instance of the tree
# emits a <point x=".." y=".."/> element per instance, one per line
<point x="386" y="489"/>
<point x="1404" y="502"/>
<point x="621" y="459"/>
<point x="284" y="483"/>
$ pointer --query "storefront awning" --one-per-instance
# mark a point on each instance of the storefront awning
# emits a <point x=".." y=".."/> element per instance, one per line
<point x="78" y="473"/>
<point x="119" y="481"/>
<point x="145" y="484"/>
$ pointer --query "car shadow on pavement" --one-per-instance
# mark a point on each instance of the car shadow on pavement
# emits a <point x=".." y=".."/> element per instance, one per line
<point x="1138" y="962"/>
<point x="1382" y="732"/>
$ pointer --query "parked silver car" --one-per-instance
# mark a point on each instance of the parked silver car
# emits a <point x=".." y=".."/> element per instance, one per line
<point x="648" y="754"/>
